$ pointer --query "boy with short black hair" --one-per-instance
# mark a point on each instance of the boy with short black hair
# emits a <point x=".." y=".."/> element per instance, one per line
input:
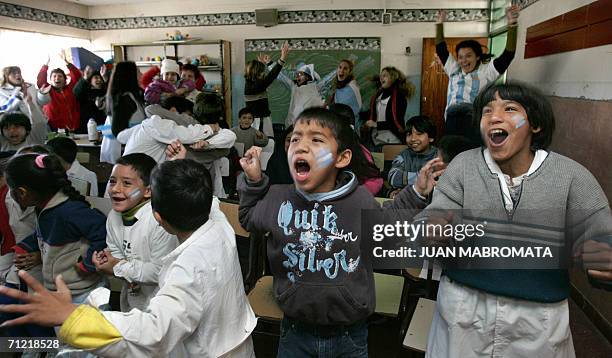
<point x="323" y="278"/>
<point x="200" y="310"/>
<point x="245" y="133"/>
<point x="136" y="243"/>
<point x="420" y="134"/>
<point x="18" y="131"/>
<point x="66" y="149"/>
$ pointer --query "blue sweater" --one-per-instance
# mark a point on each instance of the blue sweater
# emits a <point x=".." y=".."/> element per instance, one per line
<point x="68" y="232"/>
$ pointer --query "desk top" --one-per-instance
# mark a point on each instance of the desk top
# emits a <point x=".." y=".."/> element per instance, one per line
<point x="82" y="141"/>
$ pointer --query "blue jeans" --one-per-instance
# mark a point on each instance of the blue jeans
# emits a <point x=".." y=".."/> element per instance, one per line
<point x="298" y="340"/>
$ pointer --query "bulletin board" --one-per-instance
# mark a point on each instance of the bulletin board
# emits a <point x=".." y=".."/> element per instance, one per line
<point x="325" y="54"/>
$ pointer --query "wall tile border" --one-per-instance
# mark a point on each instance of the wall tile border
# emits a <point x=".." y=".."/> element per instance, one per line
<point x="332" y="43"/>
<point x="236" y="18"/>
<point x="242" y="18"/>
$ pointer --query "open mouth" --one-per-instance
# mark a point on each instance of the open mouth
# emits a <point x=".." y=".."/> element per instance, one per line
<point x="498" y="136"/>
<point x="116" y="199"/>
<point x="302" y="169"/>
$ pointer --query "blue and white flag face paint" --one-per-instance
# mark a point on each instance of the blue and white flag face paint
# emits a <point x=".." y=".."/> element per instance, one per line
<point x="519" y="121"/>
<point x="135" y="194"/>
<point x="324" y="158"/>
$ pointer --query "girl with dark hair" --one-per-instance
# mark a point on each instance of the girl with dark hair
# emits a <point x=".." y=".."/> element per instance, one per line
<point x="68" y="230"/>
<point x="124" y="97"/>
<point x="345" y="89"/>
<point x="124" y="105"/>
<point x="90" y="92"/>
<point x="371" y="179"/>
<point x="278" y="166"/>
<point x="256" y="82"/>
<point x="469" y="74"/>
<point x="387" y="109"/>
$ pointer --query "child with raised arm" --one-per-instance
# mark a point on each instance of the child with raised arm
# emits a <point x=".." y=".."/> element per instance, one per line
<point x="321" y="262"/>
<point x="200" y="310"/>
<point x="256" y="83"/>
<point x="63" y="109"/>
<point x="468" y="74"/>
<point x="136" y="243"/>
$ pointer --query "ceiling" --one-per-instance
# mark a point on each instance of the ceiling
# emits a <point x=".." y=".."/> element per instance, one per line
<point x="106" y="2"/>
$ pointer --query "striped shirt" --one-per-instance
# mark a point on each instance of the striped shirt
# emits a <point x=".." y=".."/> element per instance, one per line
<point x="464" y="87"/>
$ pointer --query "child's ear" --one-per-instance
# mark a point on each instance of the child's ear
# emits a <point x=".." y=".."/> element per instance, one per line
<point x="536" y="130"/>
<point x="344" y="159"/>
<point x="158" y="217"/>
<point x="147" y="192"/>
<point x="430" y="139"/>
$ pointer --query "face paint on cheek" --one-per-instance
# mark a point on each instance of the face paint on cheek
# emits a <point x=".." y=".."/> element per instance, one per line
<point x="519" y="121"/>
<point x="324" y="158"/>
<point x="135" y="194"/>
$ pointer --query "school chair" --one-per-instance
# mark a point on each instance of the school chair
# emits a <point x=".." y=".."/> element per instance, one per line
<point x="230" y="209"/>
<point x="379" y="160"/>
<point x="418" y="322"/>
<point x="261" y="293"/>
<point x="390" y="151"/>
<point x="266" y="153"/>
<point x="239" y="148"/>
<point x="82" y="186"/>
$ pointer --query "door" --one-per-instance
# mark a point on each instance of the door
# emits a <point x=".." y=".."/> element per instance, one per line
<point x="434" y="81"/>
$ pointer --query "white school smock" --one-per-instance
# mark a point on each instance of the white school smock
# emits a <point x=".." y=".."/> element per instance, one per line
<point x="140" y="247"/>
<point x="79" y="172"/>
<point x="153" y="135"/>
<point x="200" y="310"/>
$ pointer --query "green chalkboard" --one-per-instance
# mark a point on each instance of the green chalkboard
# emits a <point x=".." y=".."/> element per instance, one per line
<point x="325" y="54"/>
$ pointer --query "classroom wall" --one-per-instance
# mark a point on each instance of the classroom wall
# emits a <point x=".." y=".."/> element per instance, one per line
<point x="62" y="7"/>
<point x="394" y="38"/>
<point x="579" y="86"/>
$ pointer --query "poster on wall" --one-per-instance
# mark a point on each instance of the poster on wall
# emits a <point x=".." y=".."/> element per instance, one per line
<point x="324" y="54"/>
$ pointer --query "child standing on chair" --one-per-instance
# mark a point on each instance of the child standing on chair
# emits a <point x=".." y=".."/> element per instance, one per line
<point x="136" y="244"/>
<point x="323" y="278"/>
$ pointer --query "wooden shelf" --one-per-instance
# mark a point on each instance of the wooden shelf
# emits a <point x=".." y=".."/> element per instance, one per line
<point x="175" y="42"/>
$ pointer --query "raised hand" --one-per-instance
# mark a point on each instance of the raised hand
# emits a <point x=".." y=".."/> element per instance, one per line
<point x="251" y="164"/>
<point x="263" y="58"/>
<point x="87" y="71"/>
<point x="428" y="175"/>
<point x="43" y="307"/>
<point x="512" y="14"/>
<point x="103" y="71"/>
<point x="441" y="17"/>
<point x="284" y="51"/>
